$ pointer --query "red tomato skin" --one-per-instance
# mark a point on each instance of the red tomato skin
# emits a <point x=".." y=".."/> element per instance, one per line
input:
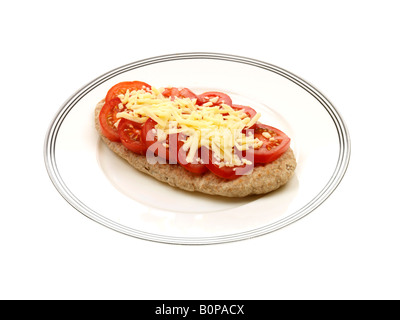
<point x="174" y="92"/>
<point x="107" y="118"/>
<point x="186" y="93"/>
<point x="270" y="150"/>
<point x="196" y="167"/>
<point x="225" y="172"/>
<point x="130" y="133"/>
<point x="206" y="96"/>
<point x="122" y="87"/>
<point x="157" y="148"/>
<point x="248" y="110"/>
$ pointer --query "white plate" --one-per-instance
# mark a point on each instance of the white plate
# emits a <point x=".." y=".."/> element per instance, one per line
<point x="106" y="189"/>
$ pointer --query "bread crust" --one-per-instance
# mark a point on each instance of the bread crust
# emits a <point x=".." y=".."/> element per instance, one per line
<point x="262" y="180"/>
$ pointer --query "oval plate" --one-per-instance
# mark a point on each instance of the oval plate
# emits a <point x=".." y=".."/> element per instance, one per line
<point x="106" y="189"/>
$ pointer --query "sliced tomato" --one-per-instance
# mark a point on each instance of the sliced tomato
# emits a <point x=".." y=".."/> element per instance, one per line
<point x="130" y="133"/>
<point x="248" y="110"/>
<point x="275" y="143"/>
<point x="222" y="98"/>
<point x="122" y="87"/>
<point x="179" y="93"/>
<point x="107" y="119"/>
<point x="166" y="149"/>
<point x="196" y="166"/>
<point x="226" y="172"/>
<point x="186" y="93"/>
<point x="171" y="92"/>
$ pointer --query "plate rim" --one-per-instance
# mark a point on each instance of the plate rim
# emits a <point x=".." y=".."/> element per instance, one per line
<point x="327" y="190"/>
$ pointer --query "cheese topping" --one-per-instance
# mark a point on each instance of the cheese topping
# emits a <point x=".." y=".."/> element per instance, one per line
<point x="218" y="128"/>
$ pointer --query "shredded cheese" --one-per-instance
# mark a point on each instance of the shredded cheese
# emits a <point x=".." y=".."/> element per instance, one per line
<point x="218" y="128"/>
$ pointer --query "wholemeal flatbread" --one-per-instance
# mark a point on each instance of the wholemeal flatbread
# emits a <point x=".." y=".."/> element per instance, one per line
<point x="263" y="179"/>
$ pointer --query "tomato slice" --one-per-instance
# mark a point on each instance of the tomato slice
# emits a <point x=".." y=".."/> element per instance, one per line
<point x="225" y="172"/>
<point x="248" y="110"/>
<point x="122" y="87"/>
<point x="275" y="143"/>
<point x="171" y="92"/>
<point x="130" y="133"/>
<point x="176" y="93"/>
<point x="196" y="166"/>
<point x="166" y="149"/>
<point x="107" y="119"/>
<point x="222" y="98"/>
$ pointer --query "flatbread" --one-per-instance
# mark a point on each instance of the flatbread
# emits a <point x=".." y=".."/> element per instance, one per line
<point x="263" y="179"/>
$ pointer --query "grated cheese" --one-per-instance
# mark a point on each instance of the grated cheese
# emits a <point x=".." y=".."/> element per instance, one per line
<point x="218" y="128"/>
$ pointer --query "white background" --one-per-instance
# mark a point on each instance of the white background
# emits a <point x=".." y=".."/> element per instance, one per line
<point x="348" y="248"/>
